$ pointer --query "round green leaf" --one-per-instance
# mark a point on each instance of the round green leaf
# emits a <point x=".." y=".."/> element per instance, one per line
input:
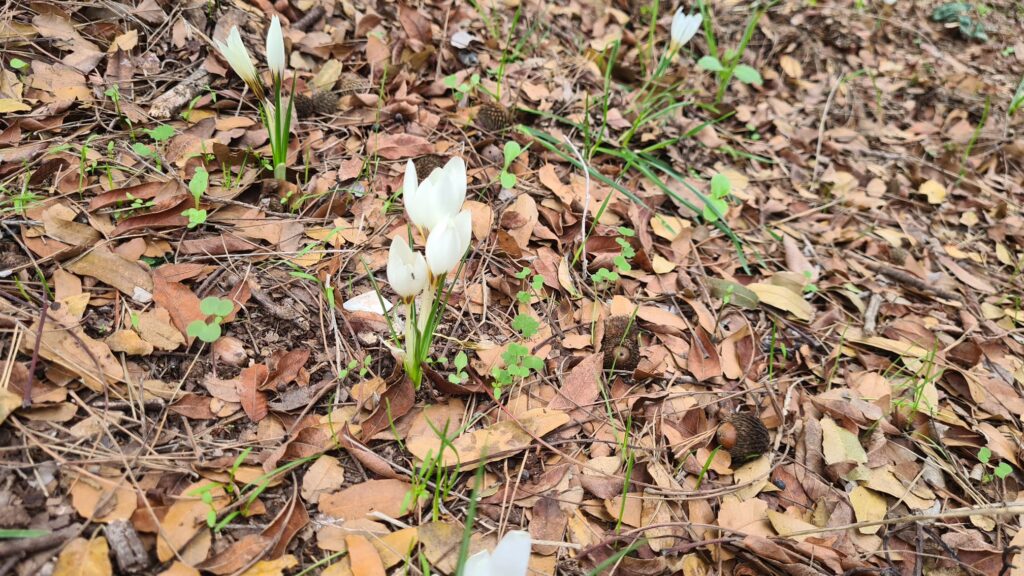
<point x="748" y="75"/>
<point x="710" y="63"/>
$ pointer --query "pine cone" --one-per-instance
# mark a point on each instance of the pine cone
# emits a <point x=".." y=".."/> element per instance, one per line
<point x="427" y="164"/>
<point x="620" y="345"/>
<point x="350" y="83"/>
<point x="318" y="103"/>
<point x="494" y="117"/>
<point x="744" y="436"/>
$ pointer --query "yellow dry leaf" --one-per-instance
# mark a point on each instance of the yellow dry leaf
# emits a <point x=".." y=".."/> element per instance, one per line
<point x="885" y="481"/>
<point x="9" y="402"/>
<point x="894" y="346"/>
<point x="8" y="105"/>
<point x="839" y="444"/>
<point x="83" y="557"/>
<point x="750" y="517"/>
<point x="783" y="299"/>
<point x="756" y="472"/>
<point x="791" y="66"/>
<point x="785" y="525"/>
<point x="668" y="227"/>
<point x="935" y="191"/>
<point x="272" y="567"/>
<point x="661" y="265"/>
<point x="868" y="506"/>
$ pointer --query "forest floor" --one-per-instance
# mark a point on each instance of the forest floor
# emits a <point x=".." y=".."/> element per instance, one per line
<point x="808" y="221"/>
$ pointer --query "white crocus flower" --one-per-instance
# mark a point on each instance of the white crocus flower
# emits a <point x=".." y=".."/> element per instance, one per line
<point x="275" y="48"/>
<point x="407" y="270"/>
<point x="510" y="558"/>
<point x="684" y="27"/>
<point x="448" y="241"/>
<point x="238" y="58"/>
<point x="438" y="197"/>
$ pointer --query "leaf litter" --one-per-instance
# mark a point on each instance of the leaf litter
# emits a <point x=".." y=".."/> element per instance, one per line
<point x="851" y="279"/>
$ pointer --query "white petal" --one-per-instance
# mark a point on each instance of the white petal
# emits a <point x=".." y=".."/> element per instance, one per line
<point x="275" y="47"/>
<point x="455" y="170"/>
<point x="512" y="555"/>
<point x="464" y="228"/>
<point x="443" y="247"/>
<point x="478" y="564"/>
<point x="407" y="270"/>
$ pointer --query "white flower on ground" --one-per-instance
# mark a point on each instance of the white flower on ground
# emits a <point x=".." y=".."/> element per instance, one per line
<point x="448" y="241"/>
<point x="684" y="27"/>
<point x="238" y="58"/>
<point x="438" y="197"/>
<point x="407" y="270"/>
<point x="275" y="48"/>
<point x="510" y="557"/>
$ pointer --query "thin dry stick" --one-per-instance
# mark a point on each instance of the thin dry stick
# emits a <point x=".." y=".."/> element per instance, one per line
<point x="989" y="510"/>
<point x="821" y="128"/>
<point x="586" y="204"/>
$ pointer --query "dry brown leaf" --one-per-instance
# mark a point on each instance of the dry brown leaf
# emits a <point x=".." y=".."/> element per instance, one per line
<point x="398" y="146"/>
<point x="783" y="299"/>
<point x="360" y="500"/>
<point x="325" y="475"/>
<point x="363" y="557"/>
<point x="497" y="441"/>
<point x="869" y="506"/>
<point x="83" y="557"/>
<point x="110" y="268"/>
<point x="63" y="342"/>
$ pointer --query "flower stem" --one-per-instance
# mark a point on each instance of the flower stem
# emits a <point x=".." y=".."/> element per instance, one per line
<point x="280" y="171"/>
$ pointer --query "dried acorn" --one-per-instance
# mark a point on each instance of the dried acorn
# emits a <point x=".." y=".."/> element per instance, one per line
<point x="620" y="345"/>
<point x="744" y="436"/>
<point x="494" y="117"/>
<point x="318" y="103"/>
<point x="427" y="164"/>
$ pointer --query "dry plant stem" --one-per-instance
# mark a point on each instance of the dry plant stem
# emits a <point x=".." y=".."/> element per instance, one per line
<point x="586" y="204"/>
<point x="26" y="394"/>
<point x="165" y="105"/>
<point x="910" y="280"/>
<point x="821" y="129"/>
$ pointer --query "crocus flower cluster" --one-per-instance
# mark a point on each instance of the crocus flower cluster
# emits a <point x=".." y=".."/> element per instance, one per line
<point x="276" y="118"/>
<point x="435" y="208"/>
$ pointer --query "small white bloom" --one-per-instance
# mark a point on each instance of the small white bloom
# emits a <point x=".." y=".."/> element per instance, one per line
<point x="438" y="197"/>
<point x="684" y="27"/>
<point x="238" y="58"/>
<point x="407" y="270"/>
<point x="275" y="48"/>
<point x="510" y="558"/>
<point x="448" y="241"/>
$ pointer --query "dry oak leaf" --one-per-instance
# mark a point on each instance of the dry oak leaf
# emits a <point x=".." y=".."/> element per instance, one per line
<point x="785" y="525"/>
<point x="108" y="267"/>
<point x="325" y="475"/>
<point x="363" y="557"/>
<point x="63" y="340"/>
<point x="83" y="557"/>
<point x="360" y="500"/>
<point x="179" y="569"/>
<point x="398" y="146"/>
<point x="272" y="567"/>
<point x="494" y="442"/>
<point x="102" y="501"/>
<point x="750" y="517"/>
<point x="783" y="299"/>
<point x="236" y="556"/>
<point x="868" y="506"/>
<point x="185" y="518"/>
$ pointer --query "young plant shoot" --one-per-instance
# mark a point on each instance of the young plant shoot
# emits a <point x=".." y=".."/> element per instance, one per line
<point x="434" y="207"/>
<point x="276" y="117"/>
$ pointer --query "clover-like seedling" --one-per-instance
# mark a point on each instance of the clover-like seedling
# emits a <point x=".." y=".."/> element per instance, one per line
<point x="216" y="309"/>
<point x="716" y="205"/>
<point x="511" y="152"/>
<point x="460" y="376"/>
<point x="197" y="186"/>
